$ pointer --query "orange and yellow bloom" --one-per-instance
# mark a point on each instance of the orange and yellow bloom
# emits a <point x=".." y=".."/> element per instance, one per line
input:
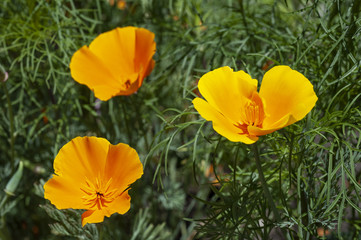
<point x="121" y="4"/>
<point x="241" y="114"/>
<point x="116" y="62"/>
<point x="92" y="174"/>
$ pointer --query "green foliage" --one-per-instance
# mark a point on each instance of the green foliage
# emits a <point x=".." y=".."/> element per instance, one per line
<point x="143" y="229"/>
<point x="196" y="184"/>
<point x="68" y="224"/>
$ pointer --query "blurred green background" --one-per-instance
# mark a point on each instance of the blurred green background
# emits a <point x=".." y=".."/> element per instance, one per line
<point x="312" y="167"/>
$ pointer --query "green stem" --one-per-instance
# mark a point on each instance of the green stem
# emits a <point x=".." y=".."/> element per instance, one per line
<point x="289" y="162"/>
<point x="3" y="201"/>
<point x="243" y="15"/>
<point x="266" y="192"/>
<point x="100" y="228"/>
<point x="11" y="120"/>
<point x="126" y="124"/>
<point x="140" y="121"/>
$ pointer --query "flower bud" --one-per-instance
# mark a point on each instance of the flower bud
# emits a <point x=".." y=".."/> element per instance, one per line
<point x="14" y="181"/>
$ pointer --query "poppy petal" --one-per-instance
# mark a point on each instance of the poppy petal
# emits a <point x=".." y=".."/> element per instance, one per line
<point x="92" y="216"/>
<point x="86" y="68"/>
<point x="283" y="122"/>
<point x="221" y="124"/>
<point x="286" y="92"/>
<point x="116" y="49"/>
<point x="120" y="205"/>
<point x="227" y="90"/>
<point x="63" y="193"/>
<point x="123" y="166"/>
<point x="82" y="157"/>
<point x="131" y="85"/>
<point x="144" y="52"/>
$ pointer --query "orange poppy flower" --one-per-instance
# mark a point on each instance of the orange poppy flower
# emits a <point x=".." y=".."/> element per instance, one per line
<point x="92" y="174"/>
<point x="116" y="62"/>
<point x="121" y="4"/>
<point x="241" y="114"/>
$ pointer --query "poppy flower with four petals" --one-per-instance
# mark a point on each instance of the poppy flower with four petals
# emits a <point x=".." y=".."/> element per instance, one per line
<point x="241" y="114"/>
<point x="116" y="62"/>
<point x="92" y="174"/>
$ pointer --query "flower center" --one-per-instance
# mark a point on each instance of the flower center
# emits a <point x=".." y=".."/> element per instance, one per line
<point x="127" y="84"/>
<point x="252" y="114"/>
<point x="97" y="195"/>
